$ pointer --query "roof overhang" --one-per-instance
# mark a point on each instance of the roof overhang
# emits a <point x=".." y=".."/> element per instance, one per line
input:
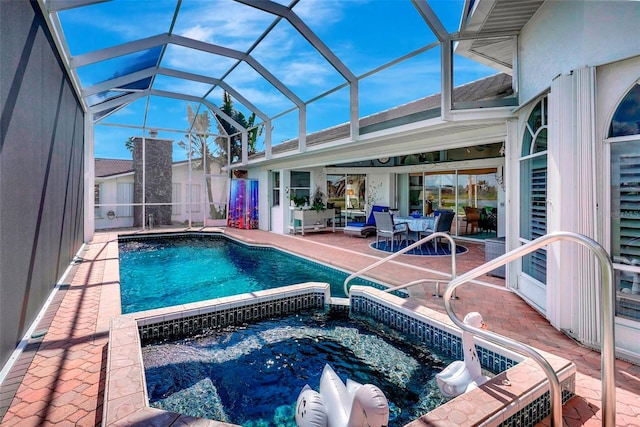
<point x="423" y="136"/>
<point x="489" y="29"/>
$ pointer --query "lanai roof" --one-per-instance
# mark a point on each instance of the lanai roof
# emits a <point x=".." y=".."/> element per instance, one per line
<point x="170" y="51"/>
<point x="496" y="87"/>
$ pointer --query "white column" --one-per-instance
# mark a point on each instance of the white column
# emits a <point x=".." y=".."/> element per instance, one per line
<point x="354" y="111"/>
<point x="511" y="177"/>
<point x="572" y="301"/>
<point x="267" y="139"/>
<point x="89" y="178"/>
<point x="245" y="147"/>
<point x="302" y="129"/>
<point x="446" y="59"/>
<point x="562" y="206"/>
<point x="588" y="295"/>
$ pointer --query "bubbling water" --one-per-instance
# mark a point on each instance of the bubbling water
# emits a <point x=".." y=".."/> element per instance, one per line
<point x="251" y="375"/>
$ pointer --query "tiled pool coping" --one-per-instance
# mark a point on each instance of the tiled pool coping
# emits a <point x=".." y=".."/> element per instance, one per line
<point x="516" y="396"/>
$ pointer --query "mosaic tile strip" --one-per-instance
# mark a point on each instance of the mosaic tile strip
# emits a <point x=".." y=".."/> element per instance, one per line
<point x="442" y="341"/>
<point x="540" y="408"/>
<point x="194" y="322"/>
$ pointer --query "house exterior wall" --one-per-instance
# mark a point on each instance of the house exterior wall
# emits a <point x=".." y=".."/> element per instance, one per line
<point x="181" y="209"/>
<point x="567" y="35"/>
<point x="41" y="170"/>
<point x="109" y="200"/>
<point x="613" y="82"/>
<point x="572" y="51"/>
<point x="198" y="207"/>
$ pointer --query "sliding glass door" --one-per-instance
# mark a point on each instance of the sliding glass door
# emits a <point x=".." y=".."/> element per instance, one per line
<point x="471" y="194"/>
<point x="346" y="193"/>
<point x="477" y="203"/>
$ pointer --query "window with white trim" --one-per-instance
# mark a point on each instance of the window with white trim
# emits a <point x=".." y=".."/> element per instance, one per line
<point x="300" y="186"/>
<point x="624" y="136"/>
<point x="176" y="207"/>
<point x="97" y="211"/>
<point x="124" y="198"/>
<point x="275" y="185"/>
<point x="194" y="197"/>
<point x="533" y="190"/>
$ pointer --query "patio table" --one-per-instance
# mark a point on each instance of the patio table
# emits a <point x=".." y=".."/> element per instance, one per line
<point x="416" y="225"/>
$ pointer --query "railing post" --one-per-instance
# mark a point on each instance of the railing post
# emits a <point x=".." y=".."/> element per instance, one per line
<point x="400" y="252"/>
<point x="607" y="326"/>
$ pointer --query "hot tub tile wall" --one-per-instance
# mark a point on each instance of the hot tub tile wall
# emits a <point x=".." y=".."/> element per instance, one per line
<point x="440" y="340"/>
<point x="196" y="321"/>
<point x="525" y="414"/>
<point x="420" y="323"/>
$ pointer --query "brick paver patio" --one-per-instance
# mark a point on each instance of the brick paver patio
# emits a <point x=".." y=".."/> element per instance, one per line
<point x="59" y="378"/>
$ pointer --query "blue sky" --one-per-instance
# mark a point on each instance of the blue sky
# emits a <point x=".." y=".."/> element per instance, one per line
<point x="364" y="34"/>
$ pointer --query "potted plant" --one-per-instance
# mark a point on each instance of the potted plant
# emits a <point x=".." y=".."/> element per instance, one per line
<point x="297" y="201"/>
<point x="318" y="200"/>
<point x="372" y="196"/>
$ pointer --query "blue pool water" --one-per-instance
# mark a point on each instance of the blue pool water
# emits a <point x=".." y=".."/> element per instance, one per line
<point x="163" y="272"/>
<point x="252" y="375"/>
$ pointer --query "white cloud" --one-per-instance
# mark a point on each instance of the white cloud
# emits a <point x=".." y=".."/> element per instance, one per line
<point x="231" y="24"/>
<point x="322" y="12"/>
<point x="198" y="32"/>
<point x="304" y="73"/>
<point x="294" y="61"/>
<point x="271" y="102"/>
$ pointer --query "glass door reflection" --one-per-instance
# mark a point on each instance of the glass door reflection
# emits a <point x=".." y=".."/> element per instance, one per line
<point x="346" y="193"/>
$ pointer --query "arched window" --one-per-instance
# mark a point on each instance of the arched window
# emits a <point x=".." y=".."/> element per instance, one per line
<point x="533" y="185"/>
<point x="624" y="136"/>
<point x="626" y="119"/>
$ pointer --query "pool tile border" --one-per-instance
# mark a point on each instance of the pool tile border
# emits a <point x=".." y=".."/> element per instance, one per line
<point x="492" y="404"/>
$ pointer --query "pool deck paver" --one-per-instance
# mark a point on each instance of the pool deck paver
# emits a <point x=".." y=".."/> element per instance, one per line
<point x="60" y="377"/>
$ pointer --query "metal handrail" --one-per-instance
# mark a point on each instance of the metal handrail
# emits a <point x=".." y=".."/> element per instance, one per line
<point x="417" y="282"/>
<point x="402" y="251"/>
<point x="606" y="321"/>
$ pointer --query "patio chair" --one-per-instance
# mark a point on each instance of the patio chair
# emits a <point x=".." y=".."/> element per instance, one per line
<point x="387" y="229"/>
<point x="442" y="224"/>
<point x="491" y="220"/>
<point x="365" y="229"/>
<point x="472" y="217"/>
<point x="337" y="216"/>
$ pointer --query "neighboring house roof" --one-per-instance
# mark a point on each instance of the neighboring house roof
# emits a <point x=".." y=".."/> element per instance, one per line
<point x="495" y="87"/>
<point x="110" y="167"/>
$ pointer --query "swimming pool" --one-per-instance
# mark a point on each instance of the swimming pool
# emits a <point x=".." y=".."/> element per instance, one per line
<point x="251" y="375"/>
<point x="163" y="271"/>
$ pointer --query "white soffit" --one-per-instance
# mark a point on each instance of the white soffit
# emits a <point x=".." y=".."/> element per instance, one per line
<point x="487" y="31"/>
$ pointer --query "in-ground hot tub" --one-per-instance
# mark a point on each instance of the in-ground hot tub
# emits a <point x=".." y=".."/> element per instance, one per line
<point x="517" y="395"/>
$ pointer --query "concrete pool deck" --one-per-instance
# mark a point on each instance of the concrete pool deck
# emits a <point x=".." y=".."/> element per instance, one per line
<point x="59" y="378"/>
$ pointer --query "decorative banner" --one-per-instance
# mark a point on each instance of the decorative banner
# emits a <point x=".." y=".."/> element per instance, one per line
<point x="243" y="204"/>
